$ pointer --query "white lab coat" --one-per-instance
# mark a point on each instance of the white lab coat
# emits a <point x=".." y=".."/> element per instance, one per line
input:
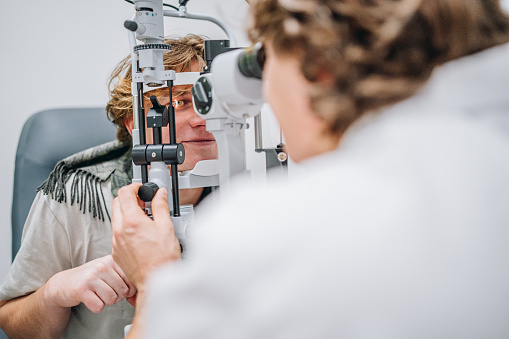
<point x="402" y="232"/>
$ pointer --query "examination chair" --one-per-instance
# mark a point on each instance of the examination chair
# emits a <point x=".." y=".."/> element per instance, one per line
<point x="47" y="137"/>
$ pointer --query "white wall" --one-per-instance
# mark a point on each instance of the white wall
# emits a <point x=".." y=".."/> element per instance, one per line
<point x="59" y="53"/>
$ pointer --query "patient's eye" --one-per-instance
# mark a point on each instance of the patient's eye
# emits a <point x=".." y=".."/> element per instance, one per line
<point x="182" y="104"/>
<point x="178" y="103"/>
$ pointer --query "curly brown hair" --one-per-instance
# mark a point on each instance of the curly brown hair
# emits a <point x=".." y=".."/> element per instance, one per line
<point x="363" y="55"/>
<point x="185" y="52"/>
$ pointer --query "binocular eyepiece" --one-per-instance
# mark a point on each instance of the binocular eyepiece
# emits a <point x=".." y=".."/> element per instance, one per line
<point x="251" y="61"/>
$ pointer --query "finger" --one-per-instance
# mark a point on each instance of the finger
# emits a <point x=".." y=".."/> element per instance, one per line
<point x="128" y="197"/>
<point x="92" y="301"/>
<point x="132" y="289"/>
<point x="133" y="188"/>
<point x="131" y="212"/>
<point x="116" y="250"/>
<point x="116" y="218"/>
<point x="117" y="228"/>
<point x="132" y="300"/>
<point x="105" y="292"/>
<point x="117" y="281"/>
<point x="141" y="203"/>
<point x="160" y="208"/>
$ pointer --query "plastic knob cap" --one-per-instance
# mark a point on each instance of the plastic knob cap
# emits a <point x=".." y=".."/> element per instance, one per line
<point x="131" y="25"/>
<point x="147" y="191"/>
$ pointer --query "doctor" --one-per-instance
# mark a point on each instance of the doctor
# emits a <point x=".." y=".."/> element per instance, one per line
<point x="397" y="226"/>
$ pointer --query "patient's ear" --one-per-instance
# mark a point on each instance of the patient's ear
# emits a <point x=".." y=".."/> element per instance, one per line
<point x="129" y="124"/>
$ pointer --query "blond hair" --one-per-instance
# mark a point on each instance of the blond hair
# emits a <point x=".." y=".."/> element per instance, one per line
<point x="185" y="52"/>
<point x="361" y="56"/>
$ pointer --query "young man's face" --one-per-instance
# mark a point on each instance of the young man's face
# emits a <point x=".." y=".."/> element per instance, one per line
<point x="198" y="143"/>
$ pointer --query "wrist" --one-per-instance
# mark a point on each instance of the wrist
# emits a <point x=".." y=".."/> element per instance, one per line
<point x="56" y="317"/>
<point x="48" y="295"/>
<point x="53" y="295"/>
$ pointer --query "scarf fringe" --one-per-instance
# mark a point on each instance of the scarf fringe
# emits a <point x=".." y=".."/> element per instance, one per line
<point x="90" y="168"/>
<point x="85" y="190"/>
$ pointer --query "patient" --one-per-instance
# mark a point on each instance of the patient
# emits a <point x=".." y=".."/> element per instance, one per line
<point x="63" y="282"/>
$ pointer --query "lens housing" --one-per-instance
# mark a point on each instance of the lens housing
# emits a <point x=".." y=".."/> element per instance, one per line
<point x="251" y="61"/>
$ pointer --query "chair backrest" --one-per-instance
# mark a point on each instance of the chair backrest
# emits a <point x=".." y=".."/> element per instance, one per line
<point x="46" y="138"/>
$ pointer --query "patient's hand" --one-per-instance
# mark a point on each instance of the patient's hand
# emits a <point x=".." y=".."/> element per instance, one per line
<point x="96" y="284"/>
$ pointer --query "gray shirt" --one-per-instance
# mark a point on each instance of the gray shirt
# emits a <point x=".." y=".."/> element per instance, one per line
<point x="60" y="236"/>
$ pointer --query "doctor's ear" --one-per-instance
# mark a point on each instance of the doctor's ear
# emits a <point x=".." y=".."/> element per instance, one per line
<point x="325" y="77"/>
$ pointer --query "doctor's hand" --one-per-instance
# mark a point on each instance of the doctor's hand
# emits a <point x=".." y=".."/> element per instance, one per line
<point x="98" y="283"/>
<point x="140" y="244"/>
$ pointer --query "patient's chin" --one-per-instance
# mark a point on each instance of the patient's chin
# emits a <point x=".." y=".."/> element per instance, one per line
<point x="190" y="162"/>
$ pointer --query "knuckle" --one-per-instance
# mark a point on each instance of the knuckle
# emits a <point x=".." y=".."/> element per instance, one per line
<point x="89" y="276"/>
<point x="130" y="219"/>
<point x="120" y="295"/>
<point x="96" y="308"/>
<point x="82" y="288"/>
<point x="101" y="268"/>
<point x="122" y="190"/>
<point x="112" y="298"/>
<point x="117" y="233"/>
<point x="125" y="291"/>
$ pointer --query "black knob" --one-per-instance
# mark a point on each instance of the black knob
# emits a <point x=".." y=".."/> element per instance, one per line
<point x="131" y="25"/>
<point x="147" y="191"/>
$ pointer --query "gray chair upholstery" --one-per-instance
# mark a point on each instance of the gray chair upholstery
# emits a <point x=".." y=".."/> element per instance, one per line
<point x="46" y="138"/>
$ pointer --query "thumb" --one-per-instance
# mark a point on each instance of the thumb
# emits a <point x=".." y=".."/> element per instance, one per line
<point x="132" y="300"/>
<point x="160" y="208"/>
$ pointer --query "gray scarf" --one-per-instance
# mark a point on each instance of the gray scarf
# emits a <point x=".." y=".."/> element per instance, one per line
<point x="90" y="168"/>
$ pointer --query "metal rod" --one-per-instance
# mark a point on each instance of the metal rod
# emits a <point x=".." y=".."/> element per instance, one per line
<point x="173" y="141"/>
<point x="157" y="136"/>
<point x="141" y="125"/>
<point x="184" y="14"/>
<point x="258" y="131"/>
